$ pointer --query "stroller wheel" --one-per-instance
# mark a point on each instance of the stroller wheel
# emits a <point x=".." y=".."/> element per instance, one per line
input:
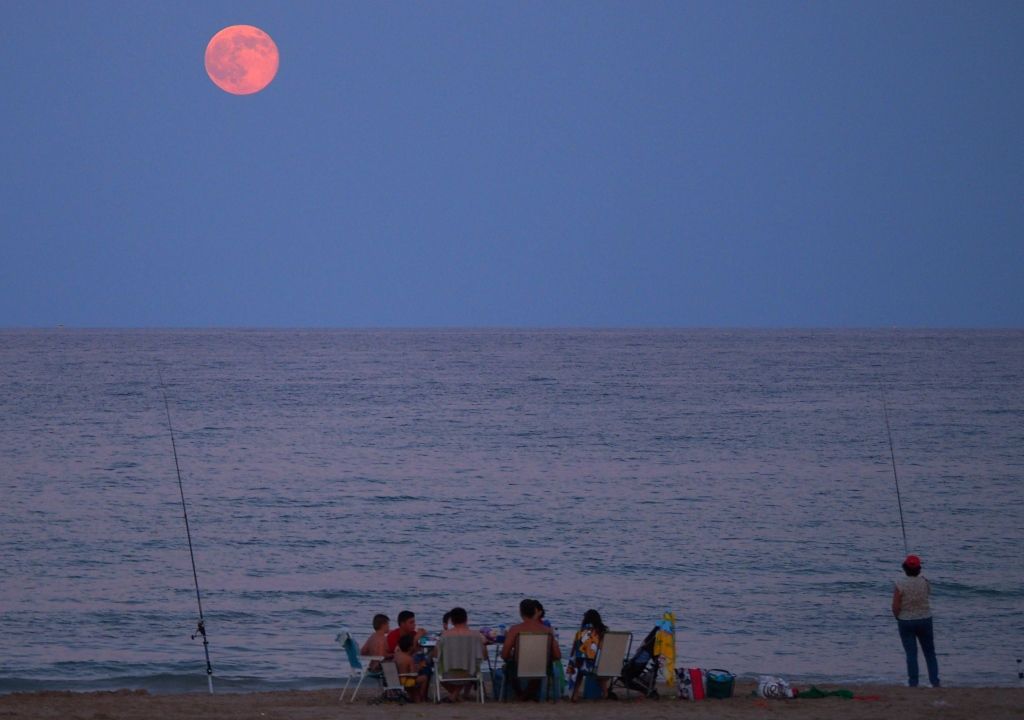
<point x="652" y="694"/>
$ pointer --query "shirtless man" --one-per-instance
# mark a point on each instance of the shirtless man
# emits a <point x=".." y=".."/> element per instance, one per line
<point x="530" y="613"/>
<point x="460" y="626"/>
<point x="377" y="644"/>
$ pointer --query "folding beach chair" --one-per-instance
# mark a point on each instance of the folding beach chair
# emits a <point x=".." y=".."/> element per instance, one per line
<point x="533" y="662"/>
<point x="392" y="682"/>
<point x="458" y="661"/>
<point x="359" y="664"/>
<point x="611" y="656"/>
<point x="640" y="672"/>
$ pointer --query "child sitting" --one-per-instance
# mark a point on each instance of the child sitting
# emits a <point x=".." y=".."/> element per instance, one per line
<point x="413" y="674"/>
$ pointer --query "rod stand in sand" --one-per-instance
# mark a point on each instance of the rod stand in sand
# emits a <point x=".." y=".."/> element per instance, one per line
<point x="1020" y="673"/>
<point x="201" y="630"/>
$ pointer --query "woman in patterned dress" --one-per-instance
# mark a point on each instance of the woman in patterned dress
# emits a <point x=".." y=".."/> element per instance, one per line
<point x="583" y="658"/>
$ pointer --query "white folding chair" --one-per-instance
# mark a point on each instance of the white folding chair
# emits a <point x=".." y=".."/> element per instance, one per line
<point x="611" y="655"/>
<point x="459" y="654"/>
<point x="359" y="665"/>
<point x="392" y="680"/>
<point x="533" y="661"/>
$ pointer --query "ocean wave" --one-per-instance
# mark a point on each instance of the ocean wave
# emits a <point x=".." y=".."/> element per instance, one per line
<point x="964" y="590"/>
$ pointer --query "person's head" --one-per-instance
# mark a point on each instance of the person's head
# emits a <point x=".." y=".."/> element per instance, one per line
<point x="593" y="618"/>
<point x="540" y="610"/>
<point x="912" y="565"/>
<point x="407" y="621"/>
<point x="381" y="622"/>
<point x="405" y="643"/>
<point x="528" y="608"/>
<point x="459" y="616"/>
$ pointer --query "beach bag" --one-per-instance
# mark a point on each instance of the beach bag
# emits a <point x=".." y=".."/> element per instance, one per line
<point x="718" y="684"/>
<point x="558" y="676"/>
<point x="691" y="684"/>
<point x="769" y="686"/>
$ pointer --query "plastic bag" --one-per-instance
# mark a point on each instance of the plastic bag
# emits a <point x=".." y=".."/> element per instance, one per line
<point x="769" y="686"/>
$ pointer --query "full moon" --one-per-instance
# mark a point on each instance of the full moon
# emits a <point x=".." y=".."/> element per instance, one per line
<point x="241" y="59"/>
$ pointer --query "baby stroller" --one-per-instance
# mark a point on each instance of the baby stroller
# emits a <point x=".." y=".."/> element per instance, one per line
<point x="640" y="672"/>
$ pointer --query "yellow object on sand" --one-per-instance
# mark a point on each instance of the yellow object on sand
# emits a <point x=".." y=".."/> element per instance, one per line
<point x="665" y="645"/>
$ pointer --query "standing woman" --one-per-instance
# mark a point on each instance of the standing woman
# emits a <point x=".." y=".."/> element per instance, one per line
<point x="583" y="658"/>
<point x="914" y="616"/>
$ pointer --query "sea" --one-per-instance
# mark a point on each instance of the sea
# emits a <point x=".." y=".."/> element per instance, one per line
<point x="740" y="479"/>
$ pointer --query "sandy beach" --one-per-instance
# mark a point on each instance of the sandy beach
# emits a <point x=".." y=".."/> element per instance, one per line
<point x="875" y="702"/>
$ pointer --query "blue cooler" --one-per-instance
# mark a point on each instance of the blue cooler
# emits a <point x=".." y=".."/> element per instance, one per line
<point x="719" y="684"/>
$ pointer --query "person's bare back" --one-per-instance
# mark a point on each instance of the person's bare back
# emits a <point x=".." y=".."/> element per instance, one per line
<point x="530" y="623"/>
<point x="376" y="644"/>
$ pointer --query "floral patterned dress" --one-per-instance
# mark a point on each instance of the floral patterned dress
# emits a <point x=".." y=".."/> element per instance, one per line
<point x="583" y="657"/>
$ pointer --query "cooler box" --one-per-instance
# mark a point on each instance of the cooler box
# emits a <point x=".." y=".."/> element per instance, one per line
<point x="718" y="684"/>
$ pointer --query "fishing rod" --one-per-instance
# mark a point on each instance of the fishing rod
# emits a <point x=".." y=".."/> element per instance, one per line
<point x="201" y="627"/>
<point x="895" y="476"/>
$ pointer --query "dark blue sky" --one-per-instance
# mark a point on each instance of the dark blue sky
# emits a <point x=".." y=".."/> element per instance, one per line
<point x="517" y="163"/>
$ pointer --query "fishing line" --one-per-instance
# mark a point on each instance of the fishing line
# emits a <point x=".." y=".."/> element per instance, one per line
<point x="201" y="627"/>
<point x="895" y="476"/>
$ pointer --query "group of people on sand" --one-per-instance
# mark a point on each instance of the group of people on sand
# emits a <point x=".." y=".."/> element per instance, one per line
<point x="415" y="665"/>
<point x="910" y="606"/>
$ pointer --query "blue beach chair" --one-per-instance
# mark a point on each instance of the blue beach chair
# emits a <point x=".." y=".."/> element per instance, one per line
<point x="359" y="664"/>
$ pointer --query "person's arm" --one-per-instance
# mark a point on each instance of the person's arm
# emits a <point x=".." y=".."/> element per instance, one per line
<point x="897" y="603"/>
<point x="366" y="649"/>
<point x="509" y="646"/>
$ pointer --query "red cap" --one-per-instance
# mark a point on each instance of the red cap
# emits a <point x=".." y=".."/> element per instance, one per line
<point x="912" y="561"/>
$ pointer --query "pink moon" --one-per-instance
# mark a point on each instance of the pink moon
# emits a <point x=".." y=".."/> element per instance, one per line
<point x="241" y="59"/>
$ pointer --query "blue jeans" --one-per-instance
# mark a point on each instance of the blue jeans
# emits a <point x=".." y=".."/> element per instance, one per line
<point x="911" y="633"/>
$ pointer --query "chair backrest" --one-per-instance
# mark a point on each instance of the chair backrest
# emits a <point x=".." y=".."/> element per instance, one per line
<point x="391" y="679"/>
<point x="459" y="652"/>
<point x="351" y="649"/>
<point x="614" y="648"/>
<point x="533" y="655"/>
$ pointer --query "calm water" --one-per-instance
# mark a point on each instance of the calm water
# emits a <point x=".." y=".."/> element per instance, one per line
<point x="739" y="478"/>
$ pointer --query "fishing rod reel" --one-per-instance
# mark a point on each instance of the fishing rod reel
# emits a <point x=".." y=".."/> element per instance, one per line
<point x="200" y="630"/>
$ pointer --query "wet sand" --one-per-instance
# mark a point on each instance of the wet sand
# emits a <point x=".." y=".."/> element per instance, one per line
<point x="879" y="702"/>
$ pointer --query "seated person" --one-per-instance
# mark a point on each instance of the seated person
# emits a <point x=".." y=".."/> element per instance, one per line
<point x="446" y="621"/>
<point x="583" y="657"/>
<point x="406" y="626"/>
<point x="460" y="628"/>
<point x="377" y="644"/>
<point x="529" y="612"/>
<point x="414" y="676"/>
